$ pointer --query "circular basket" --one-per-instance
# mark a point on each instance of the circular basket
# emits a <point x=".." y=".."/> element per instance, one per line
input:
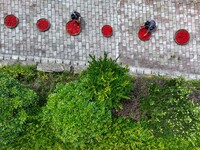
<point x="182" y="37"/>
<point x="73" y="27"/>
<point x="107" y="30"/>
<point x="43" y="25"/>
<point x="11" y="21"/>
<point x="142" y="36"/>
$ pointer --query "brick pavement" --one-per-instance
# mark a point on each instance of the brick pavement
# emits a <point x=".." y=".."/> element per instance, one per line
<point x="159" y="55"/>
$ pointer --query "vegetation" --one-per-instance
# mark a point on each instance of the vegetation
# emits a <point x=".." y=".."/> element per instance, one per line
<point x="108" y="81"/>
<point x="41" y="82"/>
<point x="17" y="105"/>
<point x="169" y="111"/>
<point x="73" y="112"/>
<point x="74" y="117"/>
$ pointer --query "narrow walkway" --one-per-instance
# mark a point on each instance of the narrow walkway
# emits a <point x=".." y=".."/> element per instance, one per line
<point x="159" y="55"/>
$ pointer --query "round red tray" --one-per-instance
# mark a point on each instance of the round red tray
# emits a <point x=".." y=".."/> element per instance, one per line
<point x="11" y="21"/>
<point x="182" y="37"/>
<point x="142" y="36"/>
<point x="43" y="24"/>
<point x="73" y="27"/>
<point x="107" y="30"/>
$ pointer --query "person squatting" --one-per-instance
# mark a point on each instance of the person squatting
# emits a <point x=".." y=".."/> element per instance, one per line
<point x="76" y="16"/>
<point x="150" y="25"/>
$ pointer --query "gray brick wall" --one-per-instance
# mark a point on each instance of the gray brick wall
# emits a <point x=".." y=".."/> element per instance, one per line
<point x="159" y="55"/>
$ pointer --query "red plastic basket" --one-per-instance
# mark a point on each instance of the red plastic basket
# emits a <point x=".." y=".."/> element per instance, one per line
<point x="182" y="37"/>
<point x="107" y="30"/>
<point x="73" y="27"/>
<point x="11" y="21"/>
<point x="43" y="24"/>
<point x="142" y="36"/>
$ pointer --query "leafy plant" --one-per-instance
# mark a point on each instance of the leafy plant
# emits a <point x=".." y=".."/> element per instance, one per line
<point x="21" y="72"/>
<point x="36" y="136"/>
<point x="172" y="143"/>
<point x="125" y="134"/>
<point x="41" y="82"/>
<point x="107" y="80"/>
<point x="74" y="117"/>
<point x="45" y="83"/>
<point x="78" y="114"/>
<point x="170" y="112"/>
<point x="17" y="105"/>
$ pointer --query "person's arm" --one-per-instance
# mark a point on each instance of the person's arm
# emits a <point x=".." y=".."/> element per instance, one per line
<point x="79" y="19"/>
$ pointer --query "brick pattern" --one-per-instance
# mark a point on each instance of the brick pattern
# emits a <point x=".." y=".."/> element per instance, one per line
<point x="55" y="45"/>
<point x="158" y="55"/>
<point x="161" y="52"/>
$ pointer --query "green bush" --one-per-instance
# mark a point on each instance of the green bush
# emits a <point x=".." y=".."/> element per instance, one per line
<point x="17" y="105"/>
<point x="172" y="143"/>
<point x="45" y="83"/>
<point x="125" y="134"/>
<point x="107" y="80"/>
<point x="78" y="115"/>
<point x="36" y="136"/>
<point x="74" y="117"/>
<point x="169" y="110"/>
<point x="42" y="83"/>
<point x="21" y="72"/>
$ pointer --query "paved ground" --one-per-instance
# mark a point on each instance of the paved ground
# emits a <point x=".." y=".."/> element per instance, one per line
<point x="158" y="55"/>
<point x="161" y="52"/>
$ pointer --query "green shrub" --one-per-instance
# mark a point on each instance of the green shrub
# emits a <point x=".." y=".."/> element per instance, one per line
<point x="78" y="115"/>
<point x="107" y="80"/>
<point x="45" y="83"/>
<point x="17" y="105"/>
<point x="74" y="117"/>
<point x="169" y="110"/>
<point x="21" y="72"/>
<point x="42" y="83"/>
<point x="172" y="143"/>
<point x="195" y="83"/>
<point x="125" y="134"/>
<point x="36" y="136"/>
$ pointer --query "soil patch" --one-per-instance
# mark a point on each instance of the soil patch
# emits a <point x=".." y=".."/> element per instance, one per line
<point x="195" y="96"/>
<point x="131" y="108"/>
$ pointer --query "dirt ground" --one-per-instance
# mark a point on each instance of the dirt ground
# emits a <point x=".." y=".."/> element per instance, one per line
<point x="131" y="108"/>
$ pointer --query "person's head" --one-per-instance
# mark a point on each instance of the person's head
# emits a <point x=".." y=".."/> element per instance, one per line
<point x="73" y="16"/>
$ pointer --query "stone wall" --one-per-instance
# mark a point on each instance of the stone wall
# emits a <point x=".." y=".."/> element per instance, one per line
<point x="159" y="55"/>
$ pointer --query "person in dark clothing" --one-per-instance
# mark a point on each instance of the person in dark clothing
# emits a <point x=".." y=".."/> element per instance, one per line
<point x="150" y="26"/>
<point x="76" y="16"/>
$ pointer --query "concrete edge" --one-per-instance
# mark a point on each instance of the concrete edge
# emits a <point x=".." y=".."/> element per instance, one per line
<point x="59" y="65"/>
